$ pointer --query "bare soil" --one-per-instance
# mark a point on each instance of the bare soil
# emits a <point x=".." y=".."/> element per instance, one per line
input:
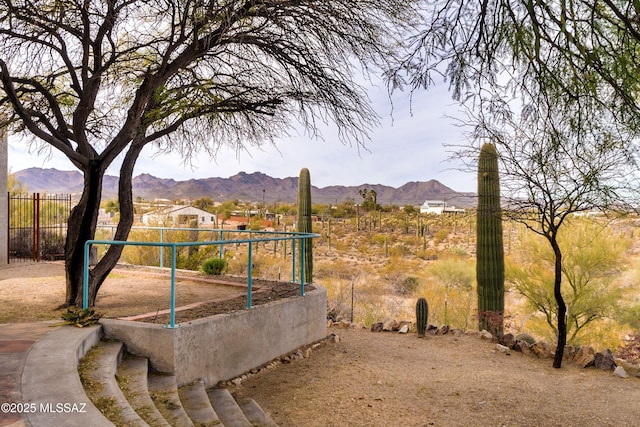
<point x="367" y="379"/>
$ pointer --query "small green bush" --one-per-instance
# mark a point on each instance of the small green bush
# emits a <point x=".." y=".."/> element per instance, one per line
<point x="214" y="266"/>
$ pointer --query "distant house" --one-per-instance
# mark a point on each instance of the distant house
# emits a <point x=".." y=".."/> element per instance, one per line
<point x="438" y="207"/>
<point x="179" y="216"/>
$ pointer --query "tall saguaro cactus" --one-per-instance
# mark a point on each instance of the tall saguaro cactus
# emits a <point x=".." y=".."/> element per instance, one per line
<point x="304" y="222"/>
<point x="489" y="249"/>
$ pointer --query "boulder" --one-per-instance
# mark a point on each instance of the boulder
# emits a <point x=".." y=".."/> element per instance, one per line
<point x="390" y="325"/>
<point x="604" y="360"/>
<point x="443" y="331"/>
<point x="543" y="350"/>
<point x="526" y="338"/>
<point x="523" y="347"/>
<point x="508" y="340"/>
<point x="585" y="356"/>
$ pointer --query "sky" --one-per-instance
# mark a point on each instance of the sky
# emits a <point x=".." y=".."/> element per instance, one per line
<point x="408" y="145"/>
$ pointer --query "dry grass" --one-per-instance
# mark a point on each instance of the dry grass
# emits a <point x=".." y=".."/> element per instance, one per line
<point x="31" y="292"/>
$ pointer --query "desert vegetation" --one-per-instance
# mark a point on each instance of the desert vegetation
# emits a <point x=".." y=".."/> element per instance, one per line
<point x="376" y="264"/>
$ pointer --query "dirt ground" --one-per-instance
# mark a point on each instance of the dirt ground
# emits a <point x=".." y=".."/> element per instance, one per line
<point x="372" y="379"/>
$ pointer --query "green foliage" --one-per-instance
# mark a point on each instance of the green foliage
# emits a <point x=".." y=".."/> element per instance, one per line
<point x="422" y="316"/>
<point x="489" y="247"/>
<point x="214" y="266"/>
<point x="369" y="199"/>
<point x="80" y="318"/>
<point x="593" y="258"/>
<point x="111" y="206"/>
<point x="453" y="281"/>
<point x="14" y="185"/>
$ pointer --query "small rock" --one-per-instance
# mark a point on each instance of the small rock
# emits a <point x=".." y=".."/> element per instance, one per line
<point x="336" y="339"/>
<point x="486" y="335"/>
<point x="503" y="349"/>
<point x="377" y="327"/>
<point x="404" y="323"/>
<point x="432" y="329"/>
<point x="236" y="381"/>
<point x="307" y="353"/>
<point x="569" y="352"/>
<point x="620" y="372"/>
<point x="444" y="330"/>
<point x="344" y="324"/>
<point x="404" y="329"/>
<point x="631" y="369"/>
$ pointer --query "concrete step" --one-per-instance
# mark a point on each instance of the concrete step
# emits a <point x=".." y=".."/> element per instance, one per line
<point x="132" y="379"/>
<point x="196" y="403"/>
<point x="50" y="377"/>
<point x="255" y="414"/>
<point x="164" y="393"/>
<point x="227" y="408"/>
<point x="99" y="377"/>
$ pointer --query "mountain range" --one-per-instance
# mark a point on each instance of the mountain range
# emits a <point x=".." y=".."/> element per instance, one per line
<point x="243" y="186"/>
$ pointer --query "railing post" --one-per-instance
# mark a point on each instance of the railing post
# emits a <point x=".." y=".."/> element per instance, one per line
<point x="302" y="265"/>
<point x="85" y="277"/>
<point x="172" y="316"/>
<point x="250" y="274"/>
<point x="220" y="245"/>
<point x="161" y="248"/>
<point x="293" y="260"/>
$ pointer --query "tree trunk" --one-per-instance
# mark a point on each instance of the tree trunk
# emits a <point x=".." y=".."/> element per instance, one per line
<point x="562" y="307"/>
<point x="82" y="227"/>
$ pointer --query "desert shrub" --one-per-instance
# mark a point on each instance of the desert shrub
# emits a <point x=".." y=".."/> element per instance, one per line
<point x="451" y="293"/>
<point x="338" y="299"/>
<point x="214" y="265"/>
<point x="593" y="259"/>
<point x="429" y="254"/>
<point x="378" y="239"/>
<point x="398" y="250"/>
<point x="407" y="285"/>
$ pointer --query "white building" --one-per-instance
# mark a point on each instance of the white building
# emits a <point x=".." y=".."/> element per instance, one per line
<point x="438" y="207"/>
<point x="179" y="216"/>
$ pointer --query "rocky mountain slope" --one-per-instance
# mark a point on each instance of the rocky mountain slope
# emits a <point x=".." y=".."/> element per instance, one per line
<point x="244" y="186"/>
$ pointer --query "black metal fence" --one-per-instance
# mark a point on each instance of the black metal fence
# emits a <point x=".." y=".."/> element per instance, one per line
<point x="37" y="226"/>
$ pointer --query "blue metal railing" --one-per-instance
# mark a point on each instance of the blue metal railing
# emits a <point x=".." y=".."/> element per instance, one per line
<point x="293" y="236"/>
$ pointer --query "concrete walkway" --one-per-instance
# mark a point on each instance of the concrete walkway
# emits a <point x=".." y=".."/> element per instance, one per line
<point x="16" y="339"/>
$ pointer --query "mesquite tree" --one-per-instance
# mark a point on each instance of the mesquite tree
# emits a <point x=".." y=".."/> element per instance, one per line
<point x="489" y="247"/>
<point x="304" y="224"/>
<point x="99" y="80"/>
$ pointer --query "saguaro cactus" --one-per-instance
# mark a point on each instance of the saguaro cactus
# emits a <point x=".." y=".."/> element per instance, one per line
<point x="304" y="222"/>
<point x="422" y="316"/>
<point x="489" y="249"/>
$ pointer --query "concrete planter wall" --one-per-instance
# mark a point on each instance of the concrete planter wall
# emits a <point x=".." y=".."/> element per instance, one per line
<point x="224" y="346"/>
